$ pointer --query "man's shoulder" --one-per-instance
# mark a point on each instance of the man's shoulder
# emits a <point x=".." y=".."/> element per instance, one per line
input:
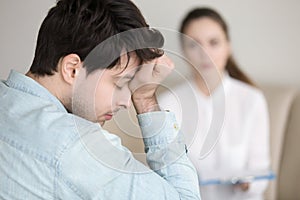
<point x="39" y="125"/>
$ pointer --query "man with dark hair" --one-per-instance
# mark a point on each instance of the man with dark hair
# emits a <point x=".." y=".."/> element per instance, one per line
<point x="92" y="57"/>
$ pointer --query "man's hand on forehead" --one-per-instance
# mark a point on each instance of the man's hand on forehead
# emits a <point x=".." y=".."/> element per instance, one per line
<point x="152" y="72"/>
<point x="146" y="81"/>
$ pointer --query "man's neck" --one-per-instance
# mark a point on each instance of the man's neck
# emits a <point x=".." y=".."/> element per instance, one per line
<point x="54" y="85"/>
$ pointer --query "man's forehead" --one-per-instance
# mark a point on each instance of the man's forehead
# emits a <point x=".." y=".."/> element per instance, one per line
<point x="128" y="73"/>
<point x="129" y="64"/>
<point x="129" y="59"/>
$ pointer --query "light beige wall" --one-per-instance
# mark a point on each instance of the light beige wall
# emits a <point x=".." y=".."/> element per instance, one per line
<point x="19" y="22"/>
<point x="265" y="34"/>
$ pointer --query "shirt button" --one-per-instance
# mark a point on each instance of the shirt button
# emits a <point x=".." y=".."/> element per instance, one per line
<point x="176" y="127"/>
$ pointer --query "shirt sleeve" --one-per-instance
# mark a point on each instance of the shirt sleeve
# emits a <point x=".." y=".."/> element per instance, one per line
<point x="97" y="166"/>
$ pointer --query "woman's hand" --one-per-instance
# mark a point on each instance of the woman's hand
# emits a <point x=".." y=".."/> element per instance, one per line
<point x="242" y="186"/>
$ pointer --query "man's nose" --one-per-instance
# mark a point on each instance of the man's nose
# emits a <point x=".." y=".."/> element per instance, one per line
<point x="125" y="99"/>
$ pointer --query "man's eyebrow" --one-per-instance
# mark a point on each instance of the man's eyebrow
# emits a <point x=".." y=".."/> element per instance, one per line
<point x="127" y="76"/>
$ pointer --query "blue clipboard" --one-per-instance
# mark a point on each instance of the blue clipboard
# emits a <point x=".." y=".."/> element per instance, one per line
<point x="237" y="179"/>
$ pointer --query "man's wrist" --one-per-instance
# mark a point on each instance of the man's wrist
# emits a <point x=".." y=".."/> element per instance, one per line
<point x="144" y="105"/>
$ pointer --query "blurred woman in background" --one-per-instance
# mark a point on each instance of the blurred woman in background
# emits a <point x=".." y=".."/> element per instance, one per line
<point x="243" y="144"/>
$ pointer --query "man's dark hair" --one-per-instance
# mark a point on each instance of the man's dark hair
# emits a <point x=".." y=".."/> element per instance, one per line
<point x="78" y="26"/>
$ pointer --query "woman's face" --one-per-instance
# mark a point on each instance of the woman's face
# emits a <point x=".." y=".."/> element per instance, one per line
<point x="209" y="46"/>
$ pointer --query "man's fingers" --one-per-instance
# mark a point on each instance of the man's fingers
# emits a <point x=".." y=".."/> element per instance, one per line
<point x="152" y="73"/>
<point x="165" y="61"/>
<point x="163" y="67"/>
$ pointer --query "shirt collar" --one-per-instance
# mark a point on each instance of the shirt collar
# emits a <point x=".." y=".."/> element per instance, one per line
<point x="26" y="84"/>
<point x="226" y="81"/>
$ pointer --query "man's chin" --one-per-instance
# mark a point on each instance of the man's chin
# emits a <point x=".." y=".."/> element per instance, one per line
<point x="102" y="123"/>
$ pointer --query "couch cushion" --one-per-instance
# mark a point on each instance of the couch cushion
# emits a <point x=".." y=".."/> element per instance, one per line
<point x="279" y="101"/>
<point x="289" y="175"/>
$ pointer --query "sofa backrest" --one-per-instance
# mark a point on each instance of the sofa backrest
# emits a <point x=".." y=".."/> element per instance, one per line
<point x="289" y="175"/>
<point x="279" y="100"/>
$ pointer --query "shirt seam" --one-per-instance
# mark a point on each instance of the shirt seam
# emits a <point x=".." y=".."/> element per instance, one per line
<point x="58" y="173"/>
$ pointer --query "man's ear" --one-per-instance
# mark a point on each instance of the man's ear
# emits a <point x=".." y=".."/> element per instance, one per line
<point x="69" y="67"/>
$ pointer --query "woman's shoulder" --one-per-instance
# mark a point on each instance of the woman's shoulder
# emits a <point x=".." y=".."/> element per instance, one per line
<point x="245" y="89"/>
<point x="246" y="97"/>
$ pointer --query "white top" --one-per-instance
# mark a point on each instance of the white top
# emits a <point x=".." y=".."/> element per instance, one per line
<point x="234" y="120"/>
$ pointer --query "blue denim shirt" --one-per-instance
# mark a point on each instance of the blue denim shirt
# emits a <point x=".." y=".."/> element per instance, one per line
<point x="48" y="153"/>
